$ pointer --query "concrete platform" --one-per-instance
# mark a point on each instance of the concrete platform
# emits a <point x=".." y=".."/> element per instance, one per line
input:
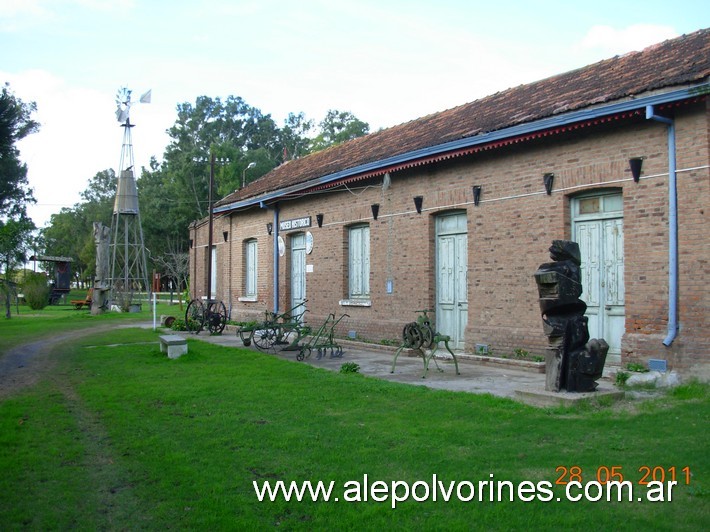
<point x="541" y="397"/>
<point x="502" y="377"/>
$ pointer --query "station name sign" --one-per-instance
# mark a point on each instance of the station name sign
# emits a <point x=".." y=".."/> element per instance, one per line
<point x="298" y="223"/>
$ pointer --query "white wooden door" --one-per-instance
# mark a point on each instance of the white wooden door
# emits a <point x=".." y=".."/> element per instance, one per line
<point x="451" y="279"/>
<point x="298" y="270"/>
<point x="600" y="235"/>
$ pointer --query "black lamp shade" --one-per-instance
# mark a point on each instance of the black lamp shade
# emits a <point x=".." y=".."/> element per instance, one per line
<point x="375" y="210"/>
<point x="548" y="179"/>
<point x="418" y="200"/>
<point x="635" y="163"/>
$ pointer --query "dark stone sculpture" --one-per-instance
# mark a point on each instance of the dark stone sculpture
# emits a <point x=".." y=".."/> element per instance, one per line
<point x="573" y="361"/>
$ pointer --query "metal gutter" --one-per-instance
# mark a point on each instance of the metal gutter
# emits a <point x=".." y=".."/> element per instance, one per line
<point x="633" y="104"/>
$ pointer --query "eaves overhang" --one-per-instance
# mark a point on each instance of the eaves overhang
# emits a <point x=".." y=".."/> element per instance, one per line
<point x="442" y="151"/>
<point x="50" y="258"/>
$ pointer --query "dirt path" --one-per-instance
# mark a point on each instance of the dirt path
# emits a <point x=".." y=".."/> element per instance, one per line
<point x="23" y="366"/>
<point x="111" y="489"/>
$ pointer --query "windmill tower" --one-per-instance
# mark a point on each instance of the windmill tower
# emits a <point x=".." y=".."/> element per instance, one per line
<point x="129" y="273"/>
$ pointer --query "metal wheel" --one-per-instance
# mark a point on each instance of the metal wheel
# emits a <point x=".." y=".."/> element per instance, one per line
<point x="216" y="317"/>
<point x="427" y="335"/>
<point x="412" y="336"/>
<point x="195" y="316"/>
<point x="304" y="353"/>
<point x="264" y="339"/>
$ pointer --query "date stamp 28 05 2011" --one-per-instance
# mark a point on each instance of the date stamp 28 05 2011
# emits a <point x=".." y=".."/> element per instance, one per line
<point x="642" y="476"/>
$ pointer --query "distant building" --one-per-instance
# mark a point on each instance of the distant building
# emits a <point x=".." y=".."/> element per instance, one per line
<point x="496" y="180"/>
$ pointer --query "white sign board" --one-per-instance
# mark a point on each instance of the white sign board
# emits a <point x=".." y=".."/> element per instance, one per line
<point x="292" y="225"/>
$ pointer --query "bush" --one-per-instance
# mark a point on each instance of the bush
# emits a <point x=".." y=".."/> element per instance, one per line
<point x="636" y="367"/>
<point x="349" y="367"/>
<point x="178" y="325"/>
<point x="520" y="353"/>
<point x="621" y="378"/>
<point x="36" y="291"/>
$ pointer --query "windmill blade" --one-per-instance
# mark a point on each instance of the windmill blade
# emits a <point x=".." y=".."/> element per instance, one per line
<point x="123" y="96"/>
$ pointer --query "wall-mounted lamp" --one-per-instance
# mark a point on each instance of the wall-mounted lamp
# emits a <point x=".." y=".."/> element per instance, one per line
<point x="635" y="163"/>
<point x="319" y="219"/>
<point x="418" y="203"/>
<point x="225" y="234"/>
<point x="269" y="227"/>
<point x="476" y="195"/>
<point x="548" y="179"/>
<point x="375" y="210"/>
<point x="191" y="243"/>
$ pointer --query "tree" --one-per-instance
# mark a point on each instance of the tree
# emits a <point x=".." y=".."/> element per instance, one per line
<point x="16" y="228"/>
<point x="65" y="236"/>
<point x="70" y="232"/>
<point x="15" y="124"/>
<point x="338" y="127"/>
<point x="175" y="193"/>
<point x="15" y="241"/>
<point x="163" y="212"/>
<point x="101" y="190"/>
<point x="175" y="263"/>
<point x="295" y="136"/>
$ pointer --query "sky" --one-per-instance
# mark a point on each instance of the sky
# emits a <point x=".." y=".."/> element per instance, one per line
<point x="385" y="61"/>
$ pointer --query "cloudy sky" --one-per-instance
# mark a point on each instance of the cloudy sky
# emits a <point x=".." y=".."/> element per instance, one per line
<point x="386" y="61"/>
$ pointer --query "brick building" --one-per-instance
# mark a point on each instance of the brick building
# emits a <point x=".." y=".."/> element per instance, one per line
<point x="455" y="211"/>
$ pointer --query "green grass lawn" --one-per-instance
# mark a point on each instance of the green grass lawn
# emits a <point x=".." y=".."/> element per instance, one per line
<point x="120" y="437"/>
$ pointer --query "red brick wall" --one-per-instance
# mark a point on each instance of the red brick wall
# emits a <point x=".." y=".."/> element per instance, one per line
<point x="508" y="237"/>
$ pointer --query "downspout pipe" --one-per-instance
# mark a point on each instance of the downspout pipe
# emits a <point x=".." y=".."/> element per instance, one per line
<point x="672" y="227"/>
<point x="275" y="234"/>
<point x="276" y="258"/>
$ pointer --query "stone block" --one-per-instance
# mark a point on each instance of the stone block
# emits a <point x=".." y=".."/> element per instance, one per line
<point x="172" y="344"/>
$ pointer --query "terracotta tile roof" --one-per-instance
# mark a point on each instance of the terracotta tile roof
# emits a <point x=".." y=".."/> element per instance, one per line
<point x="668" y="64"/>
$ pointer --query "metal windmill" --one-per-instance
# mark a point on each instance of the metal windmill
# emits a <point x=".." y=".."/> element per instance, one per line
<point x="129" y="272"/>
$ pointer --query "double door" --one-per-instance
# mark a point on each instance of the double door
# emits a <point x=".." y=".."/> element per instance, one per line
<point x="298" y="270"/>
<point x="599" y="231"/>
<point x="452" y="277"/>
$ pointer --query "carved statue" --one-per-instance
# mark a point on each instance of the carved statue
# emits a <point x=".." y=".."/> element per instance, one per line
<point x="102" y="235"/>
<point x="573" y="361"/>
